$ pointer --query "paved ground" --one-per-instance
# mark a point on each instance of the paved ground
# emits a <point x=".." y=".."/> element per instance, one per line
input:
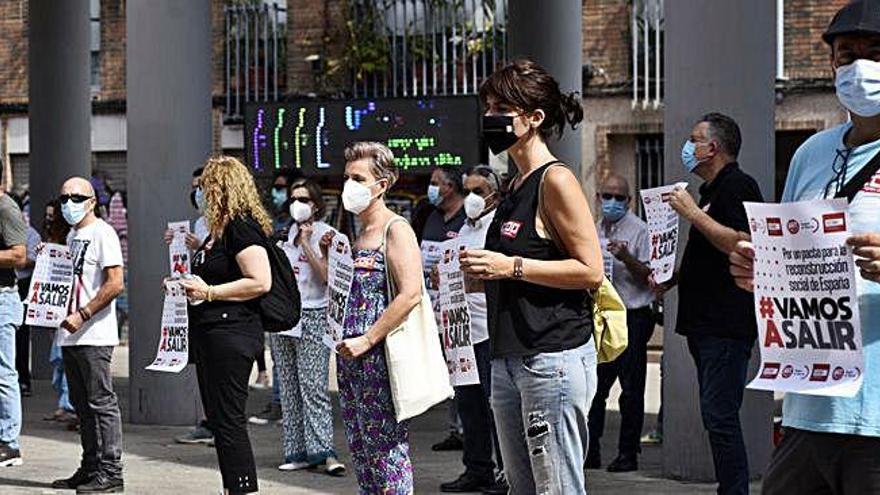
<point x="154" y="464"/>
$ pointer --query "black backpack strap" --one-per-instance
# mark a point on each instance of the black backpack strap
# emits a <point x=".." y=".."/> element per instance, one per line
<point x="854" y="185"/>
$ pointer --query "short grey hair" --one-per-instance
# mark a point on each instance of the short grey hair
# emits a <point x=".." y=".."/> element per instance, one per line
<point x="381" y="159"/>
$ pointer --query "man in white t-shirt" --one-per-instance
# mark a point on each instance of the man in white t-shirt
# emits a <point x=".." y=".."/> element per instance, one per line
<point x="87" y="338"/>
<point x="482" y="187"/>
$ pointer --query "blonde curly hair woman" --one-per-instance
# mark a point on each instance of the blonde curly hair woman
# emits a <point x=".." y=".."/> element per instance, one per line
<point x="231" y="271"/>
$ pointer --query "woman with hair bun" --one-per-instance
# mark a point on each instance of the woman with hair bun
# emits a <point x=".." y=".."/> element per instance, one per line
<point x="542" y="257"/>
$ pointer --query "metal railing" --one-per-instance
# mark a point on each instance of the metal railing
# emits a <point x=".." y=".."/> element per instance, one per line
<point x="649" y="162"/>
<point x="647" y="53"/>
<point x="256" y="47"/>
<point x="424" y="47"/>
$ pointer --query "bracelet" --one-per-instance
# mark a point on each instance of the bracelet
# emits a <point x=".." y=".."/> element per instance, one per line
<point x="517" y="267"/>
<point x="210" y="295"/>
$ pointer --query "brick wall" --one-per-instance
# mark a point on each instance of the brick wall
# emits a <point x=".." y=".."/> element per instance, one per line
<point x="311" y="24"/>
<point x="13" y="51"/>
<point x="607" y="39"/>
<point x="806" y="55"/>
<point x="112" y="50"/>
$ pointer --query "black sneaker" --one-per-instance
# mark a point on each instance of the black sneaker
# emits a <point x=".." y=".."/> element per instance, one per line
<point x="467" y="483"/>
<point x="25" y="389"/>
<point x="9" y="456"/>
<point x="80" y="477"/>
<point x="593" y="460"/>
<point x="271" y="413"/>
<point x="498" y="487"/>
<point x="102" y="483"/>
<point x="452" y="442"/>
<point x="624" y="464"/>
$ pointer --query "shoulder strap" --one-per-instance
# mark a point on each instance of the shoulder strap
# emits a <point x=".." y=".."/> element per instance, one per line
<point x="854" y="185"/>
<point x="392" y="287"/>
<point x="548" y="225"/>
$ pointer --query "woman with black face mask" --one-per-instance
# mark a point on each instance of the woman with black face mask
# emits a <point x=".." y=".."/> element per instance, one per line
<point x="542" y="257"/>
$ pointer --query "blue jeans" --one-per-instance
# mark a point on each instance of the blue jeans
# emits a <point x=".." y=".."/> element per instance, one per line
<point x="59" y="378"/>
<point x="11" y="316"/>
<point x="541" y="403"/>
<point x="722" y="367"/>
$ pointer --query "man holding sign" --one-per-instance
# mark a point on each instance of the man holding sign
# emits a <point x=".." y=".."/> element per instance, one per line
<point x="832" y="444"/>
<point x="87" y="337"/>
<point x="715" y="315"/>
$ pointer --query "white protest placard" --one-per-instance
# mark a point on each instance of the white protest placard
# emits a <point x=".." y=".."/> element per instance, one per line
<point x="607" y="259"/>
<point x="178" y="253"/>
<point x="340" y="273"/>
<point x="173" y="352"/>
<point x="51" y="287"/>
<point x="806" y="305"/>
<point x="662" y="230"/>
<point x="455" y="318"/>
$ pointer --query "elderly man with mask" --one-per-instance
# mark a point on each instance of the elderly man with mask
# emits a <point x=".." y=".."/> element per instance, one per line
<point x="482" y="186"/>
<point x="832" y="444"/>
<point x="624" y="238"/>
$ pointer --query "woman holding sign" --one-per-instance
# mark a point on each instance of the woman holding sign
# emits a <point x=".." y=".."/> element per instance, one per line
<point x="231" y="272"/>
<point x="303" y="359"/>
<point x="542" y="256"/>
<point x="379" y="444"/>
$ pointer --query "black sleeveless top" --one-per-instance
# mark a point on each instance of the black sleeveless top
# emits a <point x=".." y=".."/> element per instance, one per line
<point x="526" y="318"/>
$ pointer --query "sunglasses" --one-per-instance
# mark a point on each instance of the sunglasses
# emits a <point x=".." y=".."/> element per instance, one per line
<point x="76" y="198"/>
<point x="279" y="187"/>
<point x="302" y="199"/>
<point x="618" y="197"/>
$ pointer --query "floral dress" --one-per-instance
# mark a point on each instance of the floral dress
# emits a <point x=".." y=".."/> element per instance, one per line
<point x="379" y="445"/>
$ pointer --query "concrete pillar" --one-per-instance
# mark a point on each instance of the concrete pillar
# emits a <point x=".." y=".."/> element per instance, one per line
<point x="168" y="57"/>
<point x="719" y="56"/>
<point x="60" y="114"/>
<point x="550" y="33"/>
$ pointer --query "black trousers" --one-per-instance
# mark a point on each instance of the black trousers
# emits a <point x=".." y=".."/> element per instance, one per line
<point x="630" y="367"/>
<point x="225" y="355"/>
<point x="23" y="341"/>
<point x="480" y="438"/>
<point x="813" y="463"/>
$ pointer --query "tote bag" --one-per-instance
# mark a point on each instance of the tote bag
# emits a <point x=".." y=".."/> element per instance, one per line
<point x="417" y="370"/>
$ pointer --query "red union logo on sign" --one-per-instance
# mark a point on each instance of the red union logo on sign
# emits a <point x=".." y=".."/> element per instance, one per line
<point x="771" y="370"/>
<point x="820" y="372"/>
<point x="511" y="229"/>
<point x="774" y="227"/>
<point x="833" y="222"/>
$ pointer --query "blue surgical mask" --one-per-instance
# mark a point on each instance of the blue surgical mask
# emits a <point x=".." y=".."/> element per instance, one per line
<point x="434" y="195"/>
<point x="73" y="213"/>
<point x="199" y="199"/>
<point x="613" y="210"/>
<point x="688" y="156"/>
<point x="279" y="197"/>
<point x="858" y="87"/>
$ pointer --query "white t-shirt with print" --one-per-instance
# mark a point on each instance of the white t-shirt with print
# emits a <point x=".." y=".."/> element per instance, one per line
<point x="312" y="289"/>
<point x="474" y="237"/>
<point x="93" y="248"/>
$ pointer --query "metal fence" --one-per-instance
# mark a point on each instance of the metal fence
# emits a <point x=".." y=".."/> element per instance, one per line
<point x="424" y="47"/>
<point x="649" y="162"/>
<point x="647" y="53"/>
<point x="255" y="46"/>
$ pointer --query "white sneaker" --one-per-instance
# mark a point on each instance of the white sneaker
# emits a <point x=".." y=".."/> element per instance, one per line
<point x="293" y="466"/>
<point x="333" y="467"/>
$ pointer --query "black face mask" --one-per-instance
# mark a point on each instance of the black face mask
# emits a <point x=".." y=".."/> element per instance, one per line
<point x="498" y="132"/>
<point x="192" y="199"/>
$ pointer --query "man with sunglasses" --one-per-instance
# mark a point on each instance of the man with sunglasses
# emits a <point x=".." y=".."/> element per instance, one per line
<point x="13" y="254"/>
<point x="831" y="445"/>
<point x="87" y="338"/>
<point x="624" y="239"/>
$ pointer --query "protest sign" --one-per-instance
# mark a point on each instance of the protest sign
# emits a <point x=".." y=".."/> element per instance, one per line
<point x="806" y="304"/>
<point x="178" y="253"/>
<point x="455" y="318"/>
<point x="51" y="287"/>
<point x="607" y="259"/>
<point x="662" y="230"/>
<point x="340" y="273"/>
<point x="173" y="352"/>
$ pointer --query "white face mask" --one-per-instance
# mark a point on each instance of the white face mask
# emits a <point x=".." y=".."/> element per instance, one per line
<point x="474" y="205"/>
<point x="858" y="87"/>
<point x="356" y="197"/>
<point x="300" y="212"/>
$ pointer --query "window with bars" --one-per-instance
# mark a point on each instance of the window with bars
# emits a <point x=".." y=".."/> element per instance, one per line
<point x="647" y="29"/>
<point x="649" y="162"/>
<point x="424" y="47"/>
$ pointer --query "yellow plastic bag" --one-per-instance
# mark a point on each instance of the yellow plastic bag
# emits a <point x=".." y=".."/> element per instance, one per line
<point x="609" y="322"/>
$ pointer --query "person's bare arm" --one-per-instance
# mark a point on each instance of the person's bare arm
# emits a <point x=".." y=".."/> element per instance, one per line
<point x="14" y="257"/>
<point x="405" y="265"/>
<point x="723" y="238"/>
<point x="110" y="289"/>
<point x="256" y="279"/>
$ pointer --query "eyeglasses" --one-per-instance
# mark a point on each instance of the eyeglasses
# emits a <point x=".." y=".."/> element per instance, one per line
<point x="618" y="197"/>
<point x="76" y="198"/>
<point x="488" y="173"/>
